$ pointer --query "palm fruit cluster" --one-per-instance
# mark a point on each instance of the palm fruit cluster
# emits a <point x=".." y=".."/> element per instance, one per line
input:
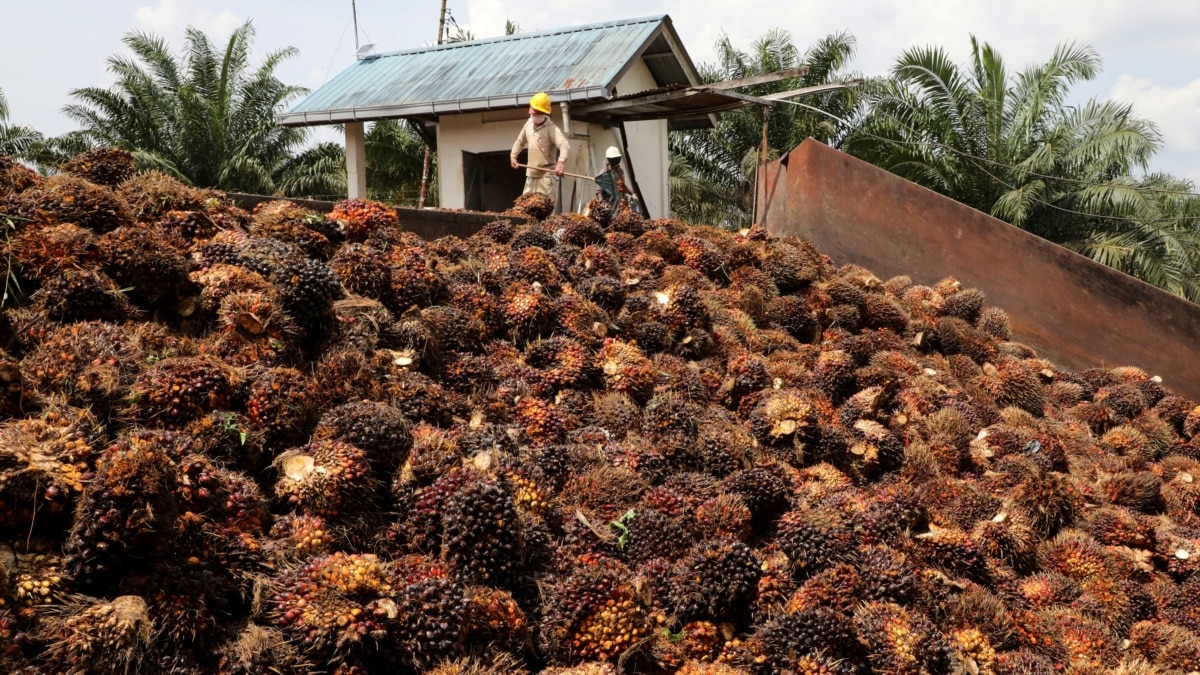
<point x="285" y="442"/>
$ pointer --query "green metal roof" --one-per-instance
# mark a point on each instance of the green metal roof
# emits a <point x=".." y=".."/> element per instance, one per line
<point x="575" y="64"/>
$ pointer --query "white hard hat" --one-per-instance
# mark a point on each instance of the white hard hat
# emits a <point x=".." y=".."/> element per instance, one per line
<point x="611" y="152"/>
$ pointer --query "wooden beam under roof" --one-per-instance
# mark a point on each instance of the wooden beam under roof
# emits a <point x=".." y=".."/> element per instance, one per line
<point x="761" y="79"/>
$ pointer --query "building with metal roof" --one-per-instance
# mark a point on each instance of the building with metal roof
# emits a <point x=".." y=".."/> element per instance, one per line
<point x="471" y="99"/>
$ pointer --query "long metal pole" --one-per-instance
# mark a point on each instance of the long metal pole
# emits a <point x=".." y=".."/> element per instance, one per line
<point x="760" y="174"/>
<point x="354" y="13"/>
<point x="428" y="150"/>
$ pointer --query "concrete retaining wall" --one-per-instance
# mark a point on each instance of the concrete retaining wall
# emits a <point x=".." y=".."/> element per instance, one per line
<point x="428" y="224"/>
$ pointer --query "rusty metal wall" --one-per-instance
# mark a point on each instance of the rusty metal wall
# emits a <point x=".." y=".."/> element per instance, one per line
<point x="1073" y="311"/>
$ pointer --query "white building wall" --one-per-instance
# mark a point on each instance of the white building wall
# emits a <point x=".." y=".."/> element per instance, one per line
<point x="495" y="132"/>
<point x="647" y="145"/>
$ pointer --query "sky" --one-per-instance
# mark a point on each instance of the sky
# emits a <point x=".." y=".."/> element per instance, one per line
<point x="1151" y="56"/>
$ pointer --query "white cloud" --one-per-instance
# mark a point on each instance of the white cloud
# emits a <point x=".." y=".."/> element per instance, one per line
<point x="1176" y="110"/>
<point x="169" y="19"/>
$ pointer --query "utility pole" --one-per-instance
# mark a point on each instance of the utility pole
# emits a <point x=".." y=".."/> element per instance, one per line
<point x="428" y="151"/>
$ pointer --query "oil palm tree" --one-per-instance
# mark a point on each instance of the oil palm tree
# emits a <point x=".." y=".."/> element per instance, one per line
<point x="1009" y="144"/>
<point x="714" y="170"/>
<point x="395" y="154"/>
<point x="15" y="140"/>
<point x="205" y="116"/>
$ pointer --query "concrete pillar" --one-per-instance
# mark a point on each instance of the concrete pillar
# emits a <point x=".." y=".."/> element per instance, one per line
<point x="356" y="161"/>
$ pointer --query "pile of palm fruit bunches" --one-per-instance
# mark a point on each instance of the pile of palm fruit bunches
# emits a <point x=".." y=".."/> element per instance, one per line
<point x="293" y="442"/>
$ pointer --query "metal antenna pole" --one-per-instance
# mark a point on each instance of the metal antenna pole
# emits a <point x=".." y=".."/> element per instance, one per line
<point x="429" y="152"/>
<point x="354" y="13"/>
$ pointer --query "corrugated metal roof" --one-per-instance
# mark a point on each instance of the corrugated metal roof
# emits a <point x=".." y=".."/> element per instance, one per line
<point x="571" y="64"/>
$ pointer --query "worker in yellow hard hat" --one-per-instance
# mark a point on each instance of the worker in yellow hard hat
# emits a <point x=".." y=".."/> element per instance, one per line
<point x="544" y="140"/>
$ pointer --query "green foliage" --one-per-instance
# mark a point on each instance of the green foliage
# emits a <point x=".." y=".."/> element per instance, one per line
<point x="395" y="156"/>
<point x="12" y="286"/>
<point x="621" y="525"/>
<point x="15" y="140"/>
<point x="1009" y="145"/>
<point x="204" y="116"/>
<point x="713" y="170"/>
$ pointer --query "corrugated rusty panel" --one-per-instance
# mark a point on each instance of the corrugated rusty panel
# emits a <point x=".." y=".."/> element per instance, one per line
<point x="1073" y="311"/>
<point x="575" y="58"/>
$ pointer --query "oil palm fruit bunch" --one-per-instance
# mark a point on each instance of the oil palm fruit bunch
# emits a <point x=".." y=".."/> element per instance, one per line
<point x="103" y="166"/>
<point x="360" y="217"/>
<point x="274" y="442"/>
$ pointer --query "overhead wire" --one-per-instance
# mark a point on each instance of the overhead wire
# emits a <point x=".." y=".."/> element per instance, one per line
<point x="974" y="159"/>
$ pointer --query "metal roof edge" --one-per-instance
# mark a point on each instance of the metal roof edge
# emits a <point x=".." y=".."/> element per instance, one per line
<point x="448" y="107"/>
<point x="689" y="66"/>
<point x="525" y="36"/>
<point x="667" y="30"/>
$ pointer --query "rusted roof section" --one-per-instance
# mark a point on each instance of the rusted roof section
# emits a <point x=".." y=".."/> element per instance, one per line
<point x="682" y="107"/>
<point x="577" y="64"/>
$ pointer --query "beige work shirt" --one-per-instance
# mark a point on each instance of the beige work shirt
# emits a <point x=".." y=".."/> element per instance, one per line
<point x="541" y="142"/>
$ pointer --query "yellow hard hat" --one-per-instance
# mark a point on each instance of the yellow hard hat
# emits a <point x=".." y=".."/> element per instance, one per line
<point x="540" y="102"/>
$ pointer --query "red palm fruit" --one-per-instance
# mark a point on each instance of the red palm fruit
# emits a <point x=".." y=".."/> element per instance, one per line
<point x="534" y="204"/>
<point x="1011" y="383"/>
<point x="337" y="602"/>
<point x="325" y="478"/>
<point x="1086" y="642"/>
<point x="129" y="503"/>
<point x="44" y="252"/>
<point x="1116" y="526"/>
<point x="1076" y="555"/>
<point x="1166" y="645"/>
<point x="786" y="415"/>
<point x="257" y="331"/>
<point x="594" y="614"/>
<point x="626" y="369"/>
<point x="175" y="391"/>
<point x="723" y="516"/>
<point x="837" y="588"/>
<point x="282" y="404"/>
<point x="103" y="166"/>
<point x="1046" y="589"/>
<point x="102" y="637"/>
<point x="900" y="641"/>
<point x="495" y="618"/>
<point x="358" y="218"/>
<point x="43" y="466"/>
<point x="1138" y="490"/>
<point x="952" y="550"/>
<point x="717" y="578"/>
<point x="1181" y="487"/>
<point x="219" y="280"/>
<point x="70" y="199"/>
<point x="815" y="539"/>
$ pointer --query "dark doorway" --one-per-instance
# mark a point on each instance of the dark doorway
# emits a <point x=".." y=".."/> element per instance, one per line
<point x="489" y="182"/>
